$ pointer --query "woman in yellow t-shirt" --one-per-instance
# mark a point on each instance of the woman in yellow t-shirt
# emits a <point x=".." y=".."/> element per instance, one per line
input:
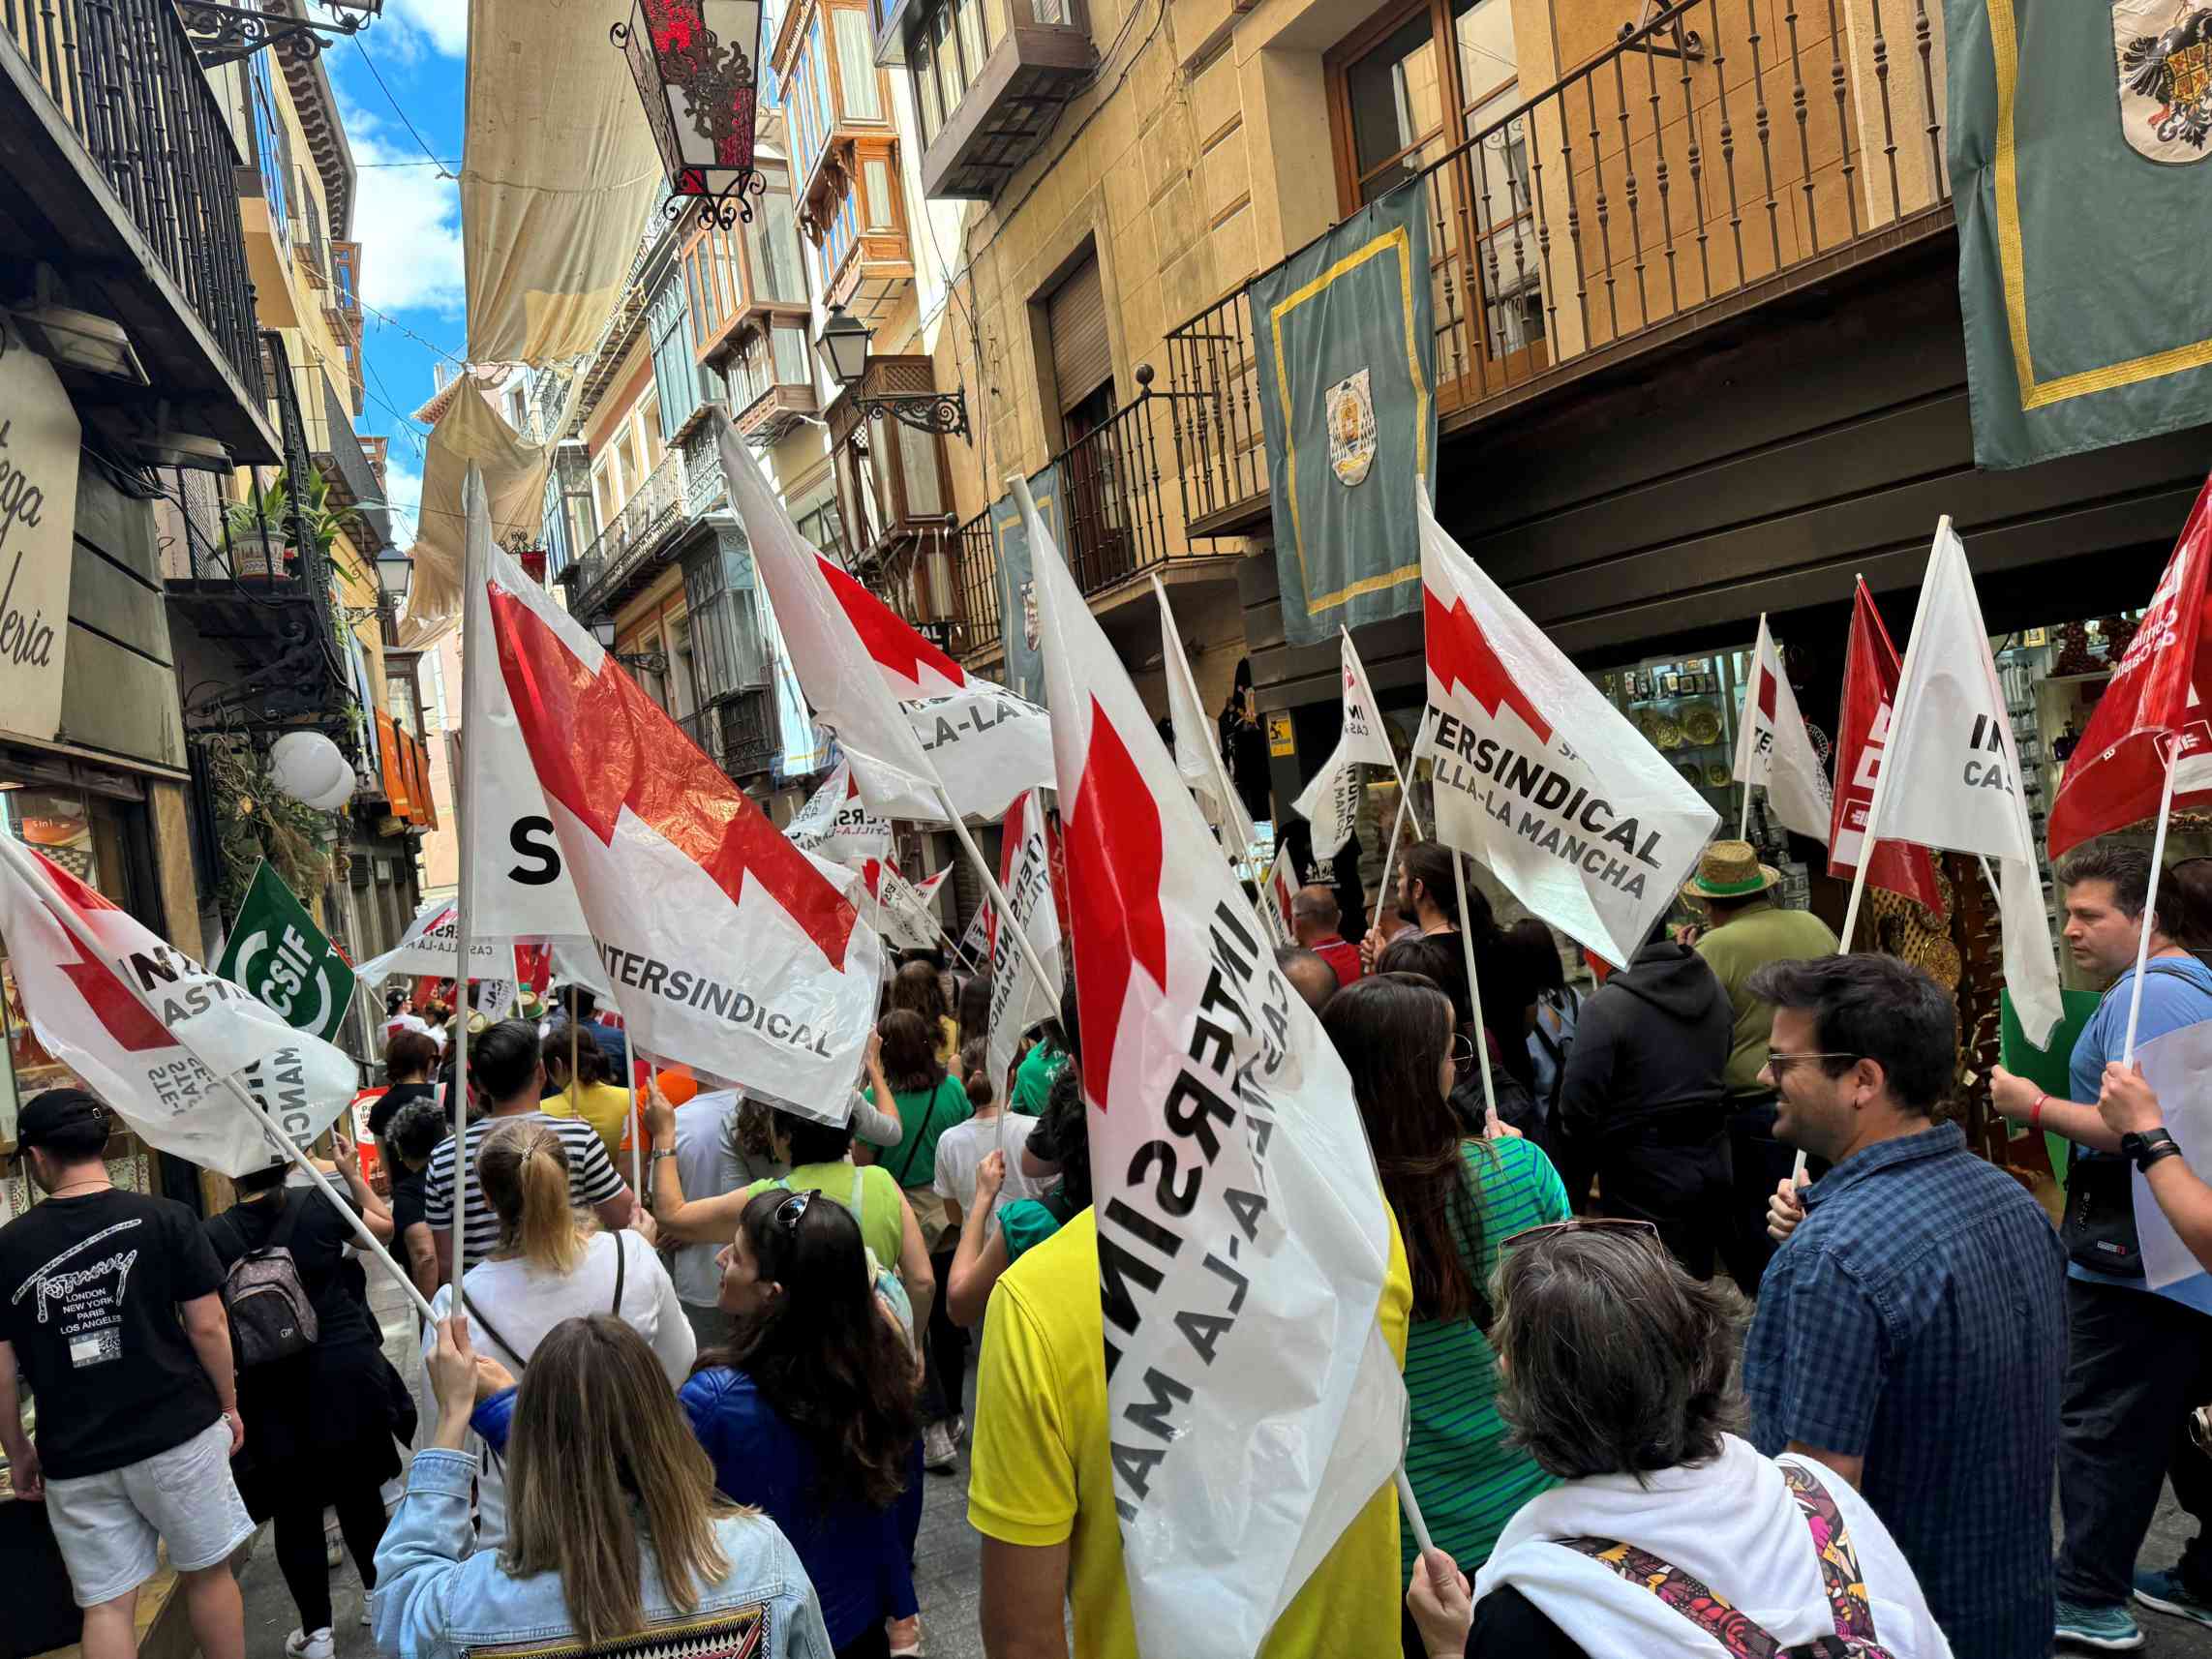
<point x="592" y="1095"/>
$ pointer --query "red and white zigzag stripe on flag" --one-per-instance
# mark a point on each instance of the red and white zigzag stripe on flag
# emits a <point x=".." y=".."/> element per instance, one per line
<point x="1537" y="774"/>
<point x="728" y="949"/>
<point x="907" y="715"/>
<point x="152" y="1032"/>
<point x="1271" y="1381"/>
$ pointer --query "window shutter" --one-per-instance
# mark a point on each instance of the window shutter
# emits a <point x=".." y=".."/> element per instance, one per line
<point x="1082" y="361"/>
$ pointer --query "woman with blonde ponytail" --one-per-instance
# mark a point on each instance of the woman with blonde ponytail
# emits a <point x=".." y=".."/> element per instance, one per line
<point x="553" y="1263"/>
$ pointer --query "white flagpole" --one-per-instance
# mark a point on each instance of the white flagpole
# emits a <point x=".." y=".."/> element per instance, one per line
<point x="2150" y="903"/>
<point x="1404" y="794"/>
<point x="464" y="905"/>
<point x="1474" y="988"/>
<point x="1743" y="822"/>
<point x="1397" y="824"/>
<point x="1405" y="1501"/>
<point x="637" y="1136"/>
<point x="1233" y="803"/>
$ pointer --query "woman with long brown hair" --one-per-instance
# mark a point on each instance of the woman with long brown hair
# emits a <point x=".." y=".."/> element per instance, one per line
<point x="553" y="1263"/>
<point x="810" y="1412"/>
<point x="1456" y="1202"/>
<point x="918" y="988"/>
<point x="617" y="1535"/>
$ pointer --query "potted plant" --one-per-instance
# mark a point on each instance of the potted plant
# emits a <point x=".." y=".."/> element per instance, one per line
<point x="264" y="531"/>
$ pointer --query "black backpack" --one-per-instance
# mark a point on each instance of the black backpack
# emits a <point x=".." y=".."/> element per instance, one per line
<point x="271" y="1317"/>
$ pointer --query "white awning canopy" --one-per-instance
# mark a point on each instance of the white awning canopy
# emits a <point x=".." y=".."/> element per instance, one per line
<point x="558" y="170"/>
<point x="469" y="430"/>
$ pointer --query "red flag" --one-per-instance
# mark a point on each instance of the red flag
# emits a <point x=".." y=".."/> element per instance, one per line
<point x="1870" y="670"/>
<point x="2118" y="771"/>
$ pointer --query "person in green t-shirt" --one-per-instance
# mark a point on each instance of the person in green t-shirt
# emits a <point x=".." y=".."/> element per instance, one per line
<point x="1456" y="1202"/>
<point x="1033" y="1078"/>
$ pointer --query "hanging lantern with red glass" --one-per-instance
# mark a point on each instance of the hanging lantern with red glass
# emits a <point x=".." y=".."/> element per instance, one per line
<point x="696" y="65"/>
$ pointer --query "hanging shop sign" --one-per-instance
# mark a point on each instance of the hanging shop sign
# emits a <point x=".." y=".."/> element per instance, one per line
<point x="39" y="439"/>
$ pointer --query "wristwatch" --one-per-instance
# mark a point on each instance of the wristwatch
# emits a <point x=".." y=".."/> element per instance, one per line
<point x="2147" y="1148"/>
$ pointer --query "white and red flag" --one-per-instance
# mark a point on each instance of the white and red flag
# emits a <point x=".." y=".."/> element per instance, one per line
<point x="1018" y="1002"/>
<point x="1243" y="1238"/>
<point x="1870" y="671"/>
<point x="895" y="906"/>
<point x="1281" y="888"/>
<point x="1952" y="773"/>
<point x="2154" y="702"/>
<point x="1539" y="775"/>
<point x="728" y="949"/>
<point x="428" y="945"/>
<point x="1774" y="751"/>
<point x="908" y="716"/>
<point x="1198" y="750"/>
<point x="835" y="824"/>
<point x="154" y="1034"/>
<point x="1331" y="801"/>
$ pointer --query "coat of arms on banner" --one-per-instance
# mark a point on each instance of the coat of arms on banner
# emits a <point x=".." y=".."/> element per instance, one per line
<point x="2165" y="49"/>
<point x="1351" y="409"/>
<point x="1029" y="612"/>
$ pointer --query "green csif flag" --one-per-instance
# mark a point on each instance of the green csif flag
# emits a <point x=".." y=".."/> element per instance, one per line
<point x="278" y="954"/>
<point x="2080" y="153"/>
<point x="1346" y="342"/>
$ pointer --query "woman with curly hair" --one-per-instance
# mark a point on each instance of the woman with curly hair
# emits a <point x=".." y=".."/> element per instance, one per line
<point x="811" y="1413"/>
<point x="1456" y="1202"/>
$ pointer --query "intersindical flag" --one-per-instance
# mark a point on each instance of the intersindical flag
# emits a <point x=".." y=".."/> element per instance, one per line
<point x="1018" y="1002"/>
<point x="1870" y="673"/>
<point x="1952" y="773"/>
<point x="910" y="719"/>
<point x="1242" y="1235"/>
<point x="2153" y="707"/>
<point x="728" y="949"/>
<point x="835" y="824"/>
<point x="1539" y="775"/>
<point x="153" y="1032"/>
<point x="1331" y="802"/>
<point x="1774" y="751"/>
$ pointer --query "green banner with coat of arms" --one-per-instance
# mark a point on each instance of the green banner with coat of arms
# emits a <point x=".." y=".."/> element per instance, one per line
<point x="2080" y="153"/>
<point x="1345" y="338"/>
<point x="277" y="953"/>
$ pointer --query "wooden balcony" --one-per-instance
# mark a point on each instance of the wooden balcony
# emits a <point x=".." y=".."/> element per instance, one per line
<point x="989" y="103"/>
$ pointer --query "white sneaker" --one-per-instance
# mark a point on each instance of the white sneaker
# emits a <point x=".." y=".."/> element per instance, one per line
<point x="302" y="1644"/>
<point x="937" y="1454"/>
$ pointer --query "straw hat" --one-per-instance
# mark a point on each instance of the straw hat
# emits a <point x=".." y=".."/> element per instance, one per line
<point x="1730" y="869"/>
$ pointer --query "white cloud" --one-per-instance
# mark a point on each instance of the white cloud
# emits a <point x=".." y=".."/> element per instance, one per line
<point x="403" y="490"/>
<point x="406" y="27"/>
<point x="408" y="221"/>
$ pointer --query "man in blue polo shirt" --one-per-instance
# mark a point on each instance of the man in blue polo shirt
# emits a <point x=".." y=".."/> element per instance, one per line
<point x="2138" y="1361"/>
<point x="1909" y="1333"/>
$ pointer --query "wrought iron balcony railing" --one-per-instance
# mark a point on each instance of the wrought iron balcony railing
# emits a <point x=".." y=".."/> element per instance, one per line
<point x="122" y="76"/>
<point x="1713" y="151"/>
<point x="645" y="526"/>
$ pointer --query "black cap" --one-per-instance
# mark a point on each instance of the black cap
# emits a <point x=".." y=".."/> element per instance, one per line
<point x="44" y="1116"/>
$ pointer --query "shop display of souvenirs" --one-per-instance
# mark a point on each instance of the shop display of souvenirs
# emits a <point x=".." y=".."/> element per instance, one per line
<point x="1717" y="774"/>
<point x="1701" y="725"/>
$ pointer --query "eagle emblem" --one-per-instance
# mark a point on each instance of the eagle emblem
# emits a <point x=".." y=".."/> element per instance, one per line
<point x="1350" y="406"/>
<point x="2164" y="55"/>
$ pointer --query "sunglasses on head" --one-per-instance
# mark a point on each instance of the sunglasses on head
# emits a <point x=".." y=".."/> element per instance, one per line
<point x="788" y="1212"/>
<point x="1583" y="1225"/>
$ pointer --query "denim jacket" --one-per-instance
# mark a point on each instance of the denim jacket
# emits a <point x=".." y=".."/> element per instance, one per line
<point x="431" y="1603"/>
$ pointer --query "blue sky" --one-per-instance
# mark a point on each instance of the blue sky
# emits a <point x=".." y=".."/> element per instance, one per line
<point x="406" y="216"/>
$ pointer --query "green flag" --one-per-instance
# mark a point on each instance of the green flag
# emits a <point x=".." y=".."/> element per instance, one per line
<point x="1347" y="370"/>
<point x="278" y="954"/>
<point x="2081" y="156"/>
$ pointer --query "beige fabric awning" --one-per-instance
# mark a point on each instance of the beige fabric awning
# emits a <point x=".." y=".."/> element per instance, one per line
<point x="557" y="173"/>
<point x="471" y="431"/>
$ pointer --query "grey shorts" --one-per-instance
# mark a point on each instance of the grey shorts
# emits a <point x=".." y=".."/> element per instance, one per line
<point x="109" y="1525"/>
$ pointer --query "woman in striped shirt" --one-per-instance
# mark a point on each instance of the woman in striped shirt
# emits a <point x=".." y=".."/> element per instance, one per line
<point x="1457" y="1201"/>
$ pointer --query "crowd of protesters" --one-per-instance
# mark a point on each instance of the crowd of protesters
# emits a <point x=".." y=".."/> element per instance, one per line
<point x="1664" y="1390"/>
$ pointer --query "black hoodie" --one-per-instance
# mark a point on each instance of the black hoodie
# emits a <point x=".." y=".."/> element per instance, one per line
<point x="1649" y="1051"/>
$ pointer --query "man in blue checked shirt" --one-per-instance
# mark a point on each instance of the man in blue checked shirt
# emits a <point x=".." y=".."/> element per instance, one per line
<point x="1910" y="1333"/>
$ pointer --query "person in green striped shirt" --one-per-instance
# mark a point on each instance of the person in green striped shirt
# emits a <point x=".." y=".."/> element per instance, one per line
<point x="1457" y="1201"/>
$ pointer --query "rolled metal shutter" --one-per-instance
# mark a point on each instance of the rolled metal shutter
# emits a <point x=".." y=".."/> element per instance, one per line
<point x="1081" y="358"/>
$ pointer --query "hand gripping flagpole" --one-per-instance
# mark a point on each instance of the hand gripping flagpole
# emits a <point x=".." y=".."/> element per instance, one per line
<point x="2150" y="903"/>
<point x="291" y="1148"/>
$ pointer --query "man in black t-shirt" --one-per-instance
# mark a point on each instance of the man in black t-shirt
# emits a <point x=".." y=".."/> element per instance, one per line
<point x="411" y="1136"/>
<point x="110" y="1308"/>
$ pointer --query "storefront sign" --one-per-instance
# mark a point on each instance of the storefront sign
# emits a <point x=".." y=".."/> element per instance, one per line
<point x="39" y="438"/>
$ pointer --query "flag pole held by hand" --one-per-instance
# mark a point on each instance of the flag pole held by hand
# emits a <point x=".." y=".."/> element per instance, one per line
<point x="1474" y="989"/>
<point x="2150" y="904"/>
<point x="1413" y="1508"/>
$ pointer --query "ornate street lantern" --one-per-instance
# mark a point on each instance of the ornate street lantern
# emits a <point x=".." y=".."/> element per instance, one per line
<point x="696" y="63"/>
